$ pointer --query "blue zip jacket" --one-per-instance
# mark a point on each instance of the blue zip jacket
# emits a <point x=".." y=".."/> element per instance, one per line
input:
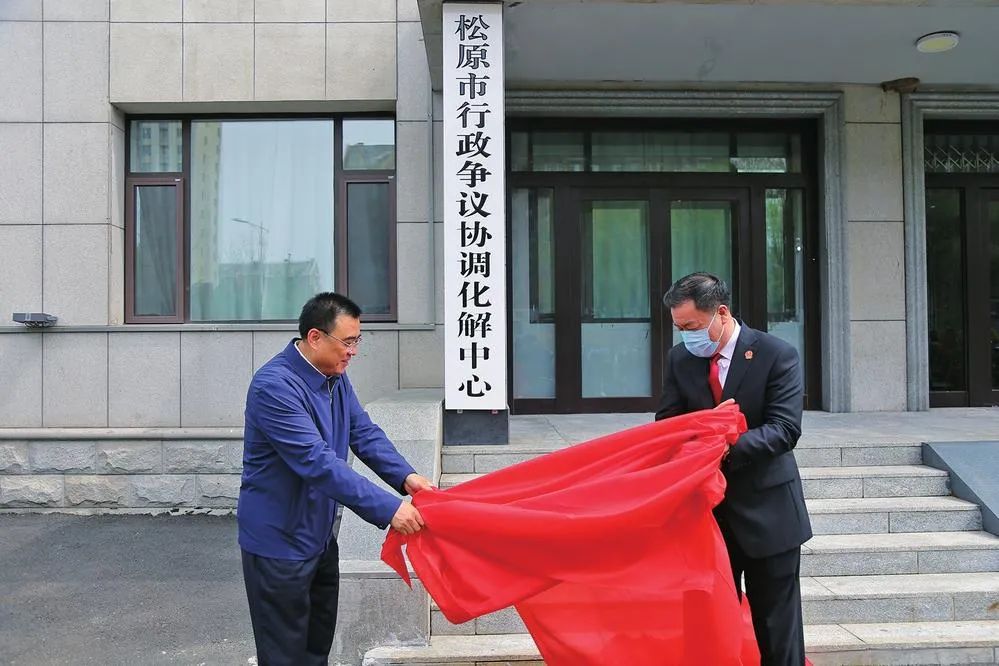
<point x="295" y="467"/>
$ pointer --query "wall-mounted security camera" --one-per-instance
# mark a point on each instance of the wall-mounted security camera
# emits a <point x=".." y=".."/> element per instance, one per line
<point x="35" y="319"/>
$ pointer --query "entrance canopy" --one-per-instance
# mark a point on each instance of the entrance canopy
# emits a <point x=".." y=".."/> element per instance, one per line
<point x="562" y="43"/>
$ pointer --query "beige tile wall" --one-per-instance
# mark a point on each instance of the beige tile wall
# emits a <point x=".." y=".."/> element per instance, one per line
<point x="875" y="248"/>
<point x="66" y="68"/>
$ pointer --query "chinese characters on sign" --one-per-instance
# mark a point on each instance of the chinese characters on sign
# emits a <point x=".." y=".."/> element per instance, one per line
<point x="474" y="208"/>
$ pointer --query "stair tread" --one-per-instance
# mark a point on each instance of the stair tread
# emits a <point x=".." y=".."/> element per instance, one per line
<point x="807" y="473"/>
<point x="900" y="541"/>
<point x="452" y="479"/>
<point x="818" y="638"/>
<point x="887" y="471"/>
<point x="542" y="445"/>
<point x="898" y="585"/>
<point x="963" y="633"/>
<point x="880" y="586"/>
<point x="450" y="649"/>
<point x="835" y="505"/>
<point x="880" y="504"/>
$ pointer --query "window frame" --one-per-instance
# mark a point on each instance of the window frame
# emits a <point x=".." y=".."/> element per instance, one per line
<point x="345" y="178"/>
<point x="789" y="127"/>
<point x="131" y="184"/>
<point x="975" y="189"/>
<point x="341" y="179"/>
<point x="537" y="315"/>
<point x="569" y="186"/>
<point x="949" y="127"/>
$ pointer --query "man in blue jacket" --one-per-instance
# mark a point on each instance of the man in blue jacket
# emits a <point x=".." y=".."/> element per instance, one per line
<point x="301" y="415"/>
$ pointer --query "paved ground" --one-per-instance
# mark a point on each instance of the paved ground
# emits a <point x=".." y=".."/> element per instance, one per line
<point x="139" y="589"/>
<point x="121" y="590"/>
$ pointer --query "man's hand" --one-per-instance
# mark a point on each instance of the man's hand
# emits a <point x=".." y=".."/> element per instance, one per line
<point x="726" y="403"/>
<point x="407" y="519"/>
<point x="415" y="483"/>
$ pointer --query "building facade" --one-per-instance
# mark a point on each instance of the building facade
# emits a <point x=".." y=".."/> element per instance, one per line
<point x="178" y="176"/>
<point x="513" y="185"/>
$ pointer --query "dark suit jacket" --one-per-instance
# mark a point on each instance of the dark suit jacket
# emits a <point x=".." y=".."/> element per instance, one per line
<point x="764" y="506"/>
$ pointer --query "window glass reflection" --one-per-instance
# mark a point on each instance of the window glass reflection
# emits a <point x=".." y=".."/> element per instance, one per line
<point x="368" y="144"/>
<point x="261" y="217"/>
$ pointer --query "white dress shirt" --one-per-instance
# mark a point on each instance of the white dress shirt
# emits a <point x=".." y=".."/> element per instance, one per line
<point x="725" y="360"/>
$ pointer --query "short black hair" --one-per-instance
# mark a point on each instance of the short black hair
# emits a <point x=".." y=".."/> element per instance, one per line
<point x="321" y="311"/>
<point x="708" y="291"/>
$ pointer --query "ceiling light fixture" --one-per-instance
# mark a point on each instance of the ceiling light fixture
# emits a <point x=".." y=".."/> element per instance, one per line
<point x="937" y="42"/>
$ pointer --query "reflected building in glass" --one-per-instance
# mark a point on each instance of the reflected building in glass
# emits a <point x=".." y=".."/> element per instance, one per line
<point x="206" y="153"/>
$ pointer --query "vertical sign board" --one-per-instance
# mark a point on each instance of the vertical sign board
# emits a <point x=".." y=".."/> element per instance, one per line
<point x="474" y="207"/>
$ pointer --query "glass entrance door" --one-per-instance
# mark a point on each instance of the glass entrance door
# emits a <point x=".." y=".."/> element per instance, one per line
<point x="962" y="262"/>
<point x="615" y="333"/>
<point x="703" y="235"/>
<point x="589" y="271"/>
<point x="606" y="213"/>
<point x="961" y="161"/>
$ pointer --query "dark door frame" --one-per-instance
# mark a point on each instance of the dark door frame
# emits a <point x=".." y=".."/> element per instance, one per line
<point x="569" y="319"/>
<point x="749" y="248"/>
<point x="976" y="192"/>
<point x="747" y="260"/>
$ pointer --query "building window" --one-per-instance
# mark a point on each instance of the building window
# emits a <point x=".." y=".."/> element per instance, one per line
<point x="243" y="220"/>
<point x="369" y="205"/>
<point x="368" y="145"/>
<point x="655" y="150"/>
<point x="961" y="153"/>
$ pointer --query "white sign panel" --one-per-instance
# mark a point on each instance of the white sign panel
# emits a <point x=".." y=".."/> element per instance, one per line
<point x="474" y="207"/>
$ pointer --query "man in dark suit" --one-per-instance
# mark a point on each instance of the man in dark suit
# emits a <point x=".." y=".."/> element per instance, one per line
<point x="763" y="516"/>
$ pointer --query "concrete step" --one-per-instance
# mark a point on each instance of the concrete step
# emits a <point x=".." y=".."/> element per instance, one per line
<point x="830" y="599"/>
<point x="900" y="553"/>
<point x="480" y="650"/>
<point x="451" y="480"/>
<point x="835" y="453"/>
<point x="871" y="515"/>
<point x="482" y="459"/>
<point x="502" y="622"/>
<point x="842" y="482"/>
<point x="888" y="644"/>
<point x="874" y="481"/>
<point x="879" y="515"/>
<point x="900" y="598"/>
<point x="904" y="643"/>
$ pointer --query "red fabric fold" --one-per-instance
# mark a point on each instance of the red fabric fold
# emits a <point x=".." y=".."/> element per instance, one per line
<point x="608" y="549"/>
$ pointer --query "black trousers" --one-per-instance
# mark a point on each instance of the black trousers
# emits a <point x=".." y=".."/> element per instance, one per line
<point x="774" y="589"/>
<point x="293" y="607"/>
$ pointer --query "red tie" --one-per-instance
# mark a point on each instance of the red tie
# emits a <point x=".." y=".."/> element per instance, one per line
<point x="713" y="379"/>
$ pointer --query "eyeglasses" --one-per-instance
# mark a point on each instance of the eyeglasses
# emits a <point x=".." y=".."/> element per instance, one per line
<point x="352" y="345"/>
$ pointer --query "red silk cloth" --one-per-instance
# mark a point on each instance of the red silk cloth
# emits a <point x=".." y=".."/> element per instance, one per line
<point x="608" y="549"/>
